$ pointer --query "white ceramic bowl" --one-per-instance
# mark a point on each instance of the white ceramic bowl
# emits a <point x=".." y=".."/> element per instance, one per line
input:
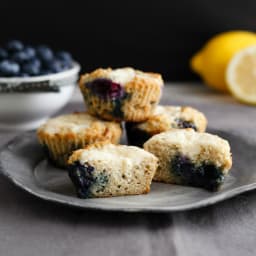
<point x="25" y="103"/>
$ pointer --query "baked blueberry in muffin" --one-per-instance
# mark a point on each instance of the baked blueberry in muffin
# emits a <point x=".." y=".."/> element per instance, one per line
<point x="190" y="158"/>
<point x="83" y="178"/>
<point x="165" y="118"/>
<point x="63" y="134"/>
<point x="105" y="170"/>
<point x="122" y="94"/>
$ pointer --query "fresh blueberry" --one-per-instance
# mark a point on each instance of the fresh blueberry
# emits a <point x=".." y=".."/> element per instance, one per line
<point x="66" y="65"/>
<point x="55" y="66"/>
<point x="44" y="53"/>
<point x="20" y="57"/>
<point x="36" y="62"/>
<point x="26" y="54"/>
<point x="32" y="67"/>
<point x="3" y="54"/>
<point x="30" y="51"/>
<point x="64" y="56"/>
<point x="32" y="61"/>
<point x="105" y="88"/>
<point x="9" y="68"/>
<point x="14" y="45"/>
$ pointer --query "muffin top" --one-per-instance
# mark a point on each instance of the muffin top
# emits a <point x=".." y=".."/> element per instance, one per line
<point x="174" y="117"/>
<point x="191" y="138"/>
<point x="118" y="156"/>
<point x="121" y="76"/>
<point x="77" y="123"/>
<point x="198" y="146"/>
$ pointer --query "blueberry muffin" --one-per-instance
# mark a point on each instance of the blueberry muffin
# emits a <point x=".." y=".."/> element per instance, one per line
<point x="105" y="170"/>
<point x="122" y="94"/>
<point x="63" y="134"/>
<point x="190" y="158"/>
<point x="163" y="119"/>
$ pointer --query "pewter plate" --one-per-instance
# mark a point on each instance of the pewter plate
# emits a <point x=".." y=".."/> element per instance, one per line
<point x="22" y="161"/>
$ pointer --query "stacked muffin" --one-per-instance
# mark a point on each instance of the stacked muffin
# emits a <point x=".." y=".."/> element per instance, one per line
<point x="179" y="151"/>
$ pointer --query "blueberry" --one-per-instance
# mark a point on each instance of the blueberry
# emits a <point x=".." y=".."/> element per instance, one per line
<point x="44" y="53"/>
<point x="65" y="59"/>
<point x="3" y="54"/>
<point x="101" y="180"/>
<point x="35" y="62"/>
<point x="30" y="51"/>
<point x="66" y="65"/>
<point x="32" y="67"/>
<point x="205" y="175"/>
<point x="26" y="54"/>
<point x="9" y="68"/>
<point x="19" y="57"/>
<point x="183" y="167"/>
<point x="183" y="124"/>
<point x="82" y="178"/>
<point x="64" y="56"/>
<point x="55" y="66"/>
<point x="105" y="88"/>
<point x="14" y="45"/>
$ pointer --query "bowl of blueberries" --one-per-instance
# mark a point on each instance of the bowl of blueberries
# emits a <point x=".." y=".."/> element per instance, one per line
<point x="35" y="82"/>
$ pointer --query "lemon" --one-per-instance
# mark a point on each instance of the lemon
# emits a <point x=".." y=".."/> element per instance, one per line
<point x="212" y="60"/>
<point x="241" y="75"/>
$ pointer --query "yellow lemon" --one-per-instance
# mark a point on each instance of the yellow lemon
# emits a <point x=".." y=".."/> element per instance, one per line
<point x="212" y="60"/>
<point x="241" y="75"/>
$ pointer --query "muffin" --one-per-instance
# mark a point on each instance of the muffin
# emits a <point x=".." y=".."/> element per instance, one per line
<point x="122" y="94"/>
<point x="163" y="119"/>
<point x="190" y="158"/>
<point x="63" y="134"/>
<point x="106" y="170"/>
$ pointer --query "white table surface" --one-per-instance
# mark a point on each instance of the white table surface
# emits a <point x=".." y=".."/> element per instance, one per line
<point x="32" y="227"/>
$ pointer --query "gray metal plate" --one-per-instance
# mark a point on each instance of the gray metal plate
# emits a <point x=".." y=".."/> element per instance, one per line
<point x="22" y="161"/>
